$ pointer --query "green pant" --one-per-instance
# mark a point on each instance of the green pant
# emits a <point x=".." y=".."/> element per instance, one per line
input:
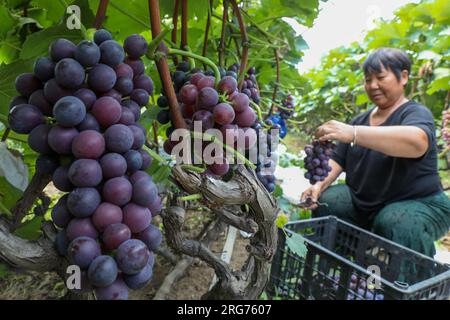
<point x="415" y="224"/>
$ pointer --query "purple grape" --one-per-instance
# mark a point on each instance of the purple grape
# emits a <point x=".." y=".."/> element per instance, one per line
<point x="119" y="138"/>
<point x="25" y="117"/>
<point x="82" y="251"/>
<point x="69" y="73"/>
<point x="38" y="139"/>
<point x="27" y="83"/>
<point x="101" y="35"/>
<point x="87" y="53"/>
<point x="113" y="165"/>
<point x="87" y="96"/>
<point x="151" y="236"/>
<point x="105" y="215"/>
<point x="144" y="192"/>
<point x="88" y="144"/>
<point x="85" y="173"/>
<point x="137" y="218"/>
<point x="82" y="202"/>
<point x="134" y="160"/>
<point x="60" y="214"/>
<point x="69" y="111"/>
<point x="81" y="227"/>
<point x="117" y="191"/>
<point x="101" y="78"/>
<point x="44" y="68"/>
<point x="112" y="53"/>
<point x="38" y="100"/>
<point x="61" y="48"/>
<point x="132" y="256"/>
<point x="89" y="123"/>
<point x="118" y="290"/>
<point x="115" y="234"/>
<point x="141" y="279"/>
<point x="60" y="139"/>
<point x="102" y="271"/>
<point x="61" y="180"/>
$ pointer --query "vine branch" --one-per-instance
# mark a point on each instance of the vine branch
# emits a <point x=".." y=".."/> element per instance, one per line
<point x="100" y="16"/>
<point x="163" y="67"/>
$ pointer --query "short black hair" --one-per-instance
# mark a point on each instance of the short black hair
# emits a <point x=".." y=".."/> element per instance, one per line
<point x="390" y="58"/>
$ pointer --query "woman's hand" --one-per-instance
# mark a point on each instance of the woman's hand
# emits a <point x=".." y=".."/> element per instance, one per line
<point x="313" y="194"/>
<point x="335" y="130"/>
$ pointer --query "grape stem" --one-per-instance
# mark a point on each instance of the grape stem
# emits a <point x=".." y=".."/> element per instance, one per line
<point x="203" y="60"/>
<point x="153" y="45"/>
<point x="245" y="42"/>
<point x="275" y="89"/>
<point x="156" y="156"/>
<point x="163" y="67"/>
<point x="258" y="110"/>
<point x="196" y="196"/>
<point x="207" y="27"/>
<point x="100" y="16"/>
<point x="175" y="27"/>
<point x="191" y="60"/>
<point x="222" y="35"/>
<point x="5" y="210"/>
<point x="190" y="167"/>
<point x="184" y="35"/>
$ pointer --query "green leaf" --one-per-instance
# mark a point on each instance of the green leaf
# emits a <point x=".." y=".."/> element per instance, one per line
<point x="361" y="99"/>
<point x="125" y="17"/>
<point x="296" y="244"/>
<point x="30" y="229"/>
<point x="8" y="194"/>
<point x="13" y="168"/>
<point x="8" y="74"/>
<point x="54" y="8"/>
<point x="37" y="43"/>
<point x="6" y="22"/>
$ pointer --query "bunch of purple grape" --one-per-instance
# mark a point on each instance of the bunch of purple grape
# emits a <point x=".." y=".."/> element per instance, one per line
<point x="201" y="100"/>
<point x="316" y="160"/>
<point x="360" y="290"/>
<point x="80" y="108"/>
<point x="446" y="127"/>
<point x="267" y="153"/>
<point x="288" y="107"/>
<point x="250" y="85"/>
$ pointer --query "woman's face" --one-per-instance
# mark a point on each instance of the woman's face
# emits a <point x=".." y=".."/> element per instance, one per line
<point x="384" y="89"/>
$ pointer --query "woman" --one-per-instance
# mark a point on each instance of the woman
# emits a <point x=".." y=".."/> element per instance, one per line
<point x="389" y="155"/>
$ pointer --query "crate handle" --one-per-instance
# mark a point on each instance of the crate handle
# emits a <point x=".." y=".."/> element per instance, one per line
<point x="402" y="285"/>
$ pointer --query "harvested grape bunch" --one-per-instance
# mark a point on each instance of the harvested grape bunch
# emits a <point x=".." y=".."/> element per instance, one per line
<point x="80" y="109"/>
<point x="316" y="160"/>
<point x="356" y="288"/>
<point x="287" y="109"/>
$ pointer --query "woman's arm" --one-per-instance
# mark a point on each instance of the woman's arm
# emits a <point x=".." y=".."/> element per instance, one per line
<point x="394" y="141"/>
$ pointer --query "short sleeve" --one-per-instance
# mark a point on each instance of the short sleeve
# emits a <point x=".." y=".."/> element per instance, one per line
<point x="421" y="117"/>
<point x="340" y="154"/>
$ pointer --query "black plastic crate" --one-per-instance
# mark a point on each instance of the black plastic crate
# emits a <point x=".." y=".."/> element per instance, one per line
<point x="336" y="266"/>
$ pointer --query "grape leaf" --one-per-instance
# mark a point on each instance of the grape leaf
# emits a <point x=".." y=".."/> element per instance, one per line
<point x="296" y="244"/>
<point x="37" y="43"/>
<point x="30" y="229"/>
<point x="8" y="74"/>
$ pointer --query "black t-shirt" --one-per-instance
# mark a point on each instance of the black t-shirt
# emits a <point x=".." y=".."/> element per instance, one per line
<point x="376" y="179"/>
